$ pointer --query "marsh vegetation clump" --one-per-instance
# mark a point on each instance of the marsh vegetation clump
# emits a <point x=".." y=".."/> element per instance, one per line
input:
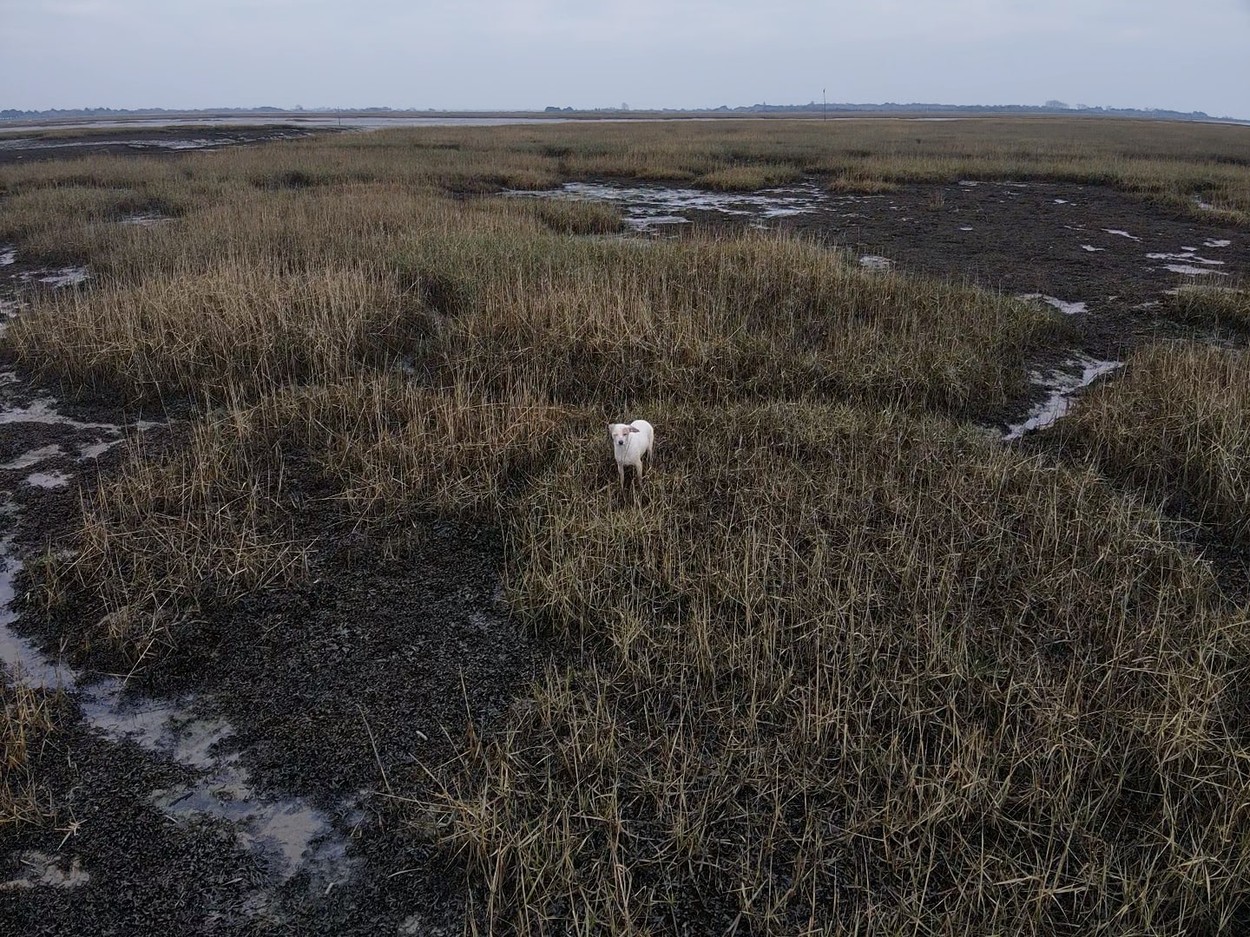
<point x="203" y="333"/>
<point x="1224" y="306"/>
<point x="755" y="315"/>
<point x="851" y="666"/>
<point x="28" y="718"/>
<point x="168" y="537"/>
<point x="1176" y="425"/>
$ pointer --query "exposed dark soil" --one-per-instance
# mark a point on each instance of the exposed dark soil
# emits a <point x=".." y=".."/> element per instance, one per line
<point x="124" y="141"/>
<point x="1028" y="237"/>
<point x="393" y="653"/>
<point x="334" y="688"/>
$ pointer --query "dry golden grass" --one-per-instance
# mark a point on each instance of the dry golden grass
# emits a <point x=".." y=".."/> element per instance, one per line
<point x="856" y="673"/>
<point x="1176" y="424"/>
<point x="28" y="721"/>
<point x="748" y="178"/>
<point x="173" y="534"/>
<point x="237" y="325"/>
<point x="386" y="445"/>
<point x="608" y="323"/>
<point x="1221" y="306"/>
<point x="573" y="217"/>
<point x="860" y="184"/>
<point x="280" y="288"/>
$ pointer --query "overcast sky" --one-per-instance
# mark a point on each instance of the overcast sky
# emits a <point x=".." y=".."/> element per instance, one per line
<point x="527" y="54"/>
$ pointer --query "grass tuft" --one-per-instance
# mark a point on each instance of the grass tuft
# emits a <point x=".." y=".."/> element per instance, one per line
<point x="1221" y="306"/>
<point x="851" y="668"/>
<point x="27" y="723"/>
<point x="170" y="537"/>
<point x="1175" y="424"/>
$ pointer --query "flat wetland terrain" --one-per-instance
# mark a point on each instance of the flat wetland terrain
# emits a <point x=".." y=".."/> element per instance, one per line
<point x="322" y="611"/>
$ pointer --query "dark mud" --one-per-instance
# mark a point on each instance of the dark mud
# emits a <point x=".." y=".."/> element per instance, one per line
<point x="291" y="718"/>
<point x="241" y="785"/>
<point x="129" y="141"/>
<point x="1115" y="253"/>
<point x="1036" y="238"/>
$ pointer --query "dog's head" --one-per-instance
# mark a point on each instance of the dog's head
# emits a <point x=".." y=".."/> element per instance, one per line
<point x="620" y="433"/>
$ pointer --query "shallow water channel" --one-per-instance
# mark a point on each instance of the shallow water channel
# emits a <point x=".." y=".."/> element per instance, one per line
<point x="289" y="835"/>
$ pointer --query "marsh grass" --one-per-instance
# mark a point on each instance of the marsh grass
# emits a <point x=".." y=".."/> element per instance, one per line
<point x="238" y="325"/>
<point x="172" y="535"/>
<point x="748" y="178"/>
<point x="841" y="664"/>
<point x="1224" y="306"/>
<point x="27" y="723"/>
<point x="1175" y="423"/>
<point x="854" y="670"/>
<point x="749" y="316"/>
<point x="386" y="446"/>
<point x="860" y="185"/>
<point x="492" y="297"/>
<point x="570" y="217"/>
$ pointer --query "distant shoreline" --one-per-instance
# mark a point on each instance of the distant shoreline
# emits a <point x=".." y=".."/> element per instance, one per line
<point x="374" y="119"/>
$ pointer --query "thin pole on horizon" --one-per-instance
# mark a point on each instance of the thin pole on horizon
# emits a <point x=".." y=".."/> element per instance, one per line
<point x="824" y="105"/>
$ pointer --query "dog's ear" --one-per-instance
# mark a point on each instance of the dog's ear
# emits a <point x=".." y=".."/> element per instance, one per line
<point x="634" y="429"/>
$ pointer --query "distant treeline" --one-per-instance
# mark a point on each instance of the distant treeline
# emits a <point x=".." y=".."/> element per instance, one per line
<point x="815" y="107"/>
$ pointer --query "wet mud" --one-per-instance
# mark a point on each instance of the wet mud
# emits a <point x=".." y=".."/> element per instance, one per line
<point x="27" y="147"/>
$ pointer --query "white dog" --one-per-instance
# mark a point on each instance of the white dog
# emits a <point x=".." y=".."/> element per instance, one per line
<point x="630" y="442"/>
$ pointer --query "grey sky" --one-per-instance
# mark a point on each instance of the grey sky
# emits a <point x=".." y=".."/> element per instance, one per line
<point x="483" y="54"/>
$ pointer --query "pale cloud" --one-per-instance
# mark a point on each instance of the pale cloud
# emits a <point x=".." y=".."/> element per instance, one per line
<point x="651" y="53"/>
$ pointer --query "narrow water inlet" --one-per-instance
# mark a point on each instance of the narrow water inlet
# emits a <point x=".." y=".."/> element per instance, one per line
<point x="31" y="457"/>
<point x="875" y="262"/>
<point x="9" y="309"/>
<point x="1063" y="385"/>
<point x="1067" y="308"/>
<point x="42" y="869"/>
<point x="1185" y="255"/>
<point x="1190" y="270"/>
<point x="647" y="207"/>
<point x="48" y="479"/>
<point x="43" y="410"/>
<point x="66" y="276"/>
<point x="20" y="657"/>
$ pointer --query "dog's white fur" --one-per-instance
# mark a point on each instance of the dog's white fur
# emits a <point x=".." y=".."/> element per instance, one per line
<point x="630" y="442"/>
